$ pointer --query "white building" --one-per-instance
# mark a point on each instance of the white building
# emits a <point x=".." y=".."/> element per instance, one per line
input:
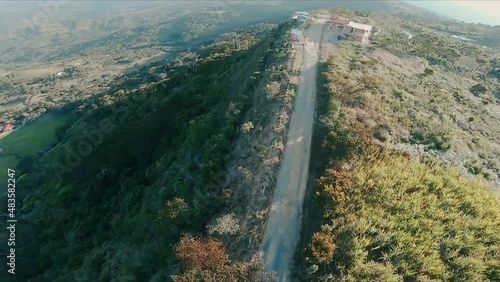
<point x="360" y="32"/>
<point x="303" y="13"/>
<point x="355" y="31"/>
<point x="302" y="19"/>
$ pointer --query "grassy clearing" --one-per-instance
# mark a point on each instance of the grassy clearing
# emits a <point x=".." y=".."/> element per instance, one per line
<point x="28" y="139"/>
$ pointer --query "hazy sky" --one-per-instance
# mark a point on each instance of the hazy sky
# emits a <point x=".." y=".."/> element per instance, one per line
<point x="487" y="12"/>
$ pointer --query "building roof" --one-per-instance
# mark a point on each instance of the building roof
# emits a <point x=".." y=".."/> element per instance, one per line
<point x="8" y="127"/>
<point x="302" y="13"/>
<point x="340" y="21"/>
<point x="360" y="26"/>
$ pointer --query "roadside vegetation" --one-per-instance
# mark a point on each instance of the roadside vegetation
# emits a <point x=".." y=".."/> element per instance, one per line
<point x="377" y="215"/>
<point x="389" y="217"/>
<point x="395" y="194"/>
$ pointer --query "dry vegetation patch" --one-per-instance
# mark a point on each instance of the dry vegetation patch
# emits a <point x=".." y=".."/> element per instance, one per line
<point x="415" y="106"/>
<point x="409" y="154"/>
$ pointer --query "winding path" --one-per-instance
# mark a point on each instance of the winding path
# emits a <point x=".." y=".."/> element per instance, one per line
<point x="284" y="223"/>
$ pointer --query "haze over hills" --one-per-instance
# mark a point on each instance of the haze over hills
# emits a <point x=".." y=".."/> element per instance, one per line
<point x="74" y="34"/>
<point x="485" y="12"/>
<point x="204" y="141"/>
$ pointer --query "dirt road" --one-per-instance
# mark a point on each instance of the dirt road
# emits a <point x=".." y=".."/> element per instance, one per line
<point x="283" y="226"/>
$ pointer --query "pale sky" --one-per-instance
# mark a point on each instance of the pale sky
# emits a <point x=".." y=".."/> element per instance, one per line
<point x="487" y="12"/>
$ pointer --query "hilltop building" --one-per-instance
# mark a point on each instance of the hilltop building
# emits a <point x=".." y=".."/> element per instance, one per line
<point x="353" y="30"/>
<point x="7" y="127"/>
<point x="301" y="16"/>
<point x="299" y="19"/>
<point x="303" y="13"/>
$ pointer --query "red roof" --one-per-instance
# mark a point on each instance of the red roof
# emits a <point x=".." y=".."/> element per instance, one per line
<point x="339" y="21"/>
<point x="8" y="127"/>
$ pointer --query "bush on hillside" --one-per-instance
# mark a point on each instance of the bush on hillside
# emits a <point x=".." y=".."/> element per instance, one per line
<point x="207" y="260"/>
<point x="478" y="89"/>
<point x="437" y="138"/>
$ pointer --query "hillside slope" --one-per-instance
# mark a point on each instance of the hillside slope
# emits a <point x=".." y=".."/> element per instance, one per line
<point x="139" y="171"/>
<point x="405" y="159"/>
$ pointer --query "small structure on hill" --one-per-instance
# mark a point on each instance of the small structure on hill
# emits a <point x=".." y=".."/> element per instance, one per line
<point x="301" y="16"/>
<point x="303" y="13"/>
<point x="8" y="127"/>
<point x="355" y="31"/>
<point x="303" y="19"/>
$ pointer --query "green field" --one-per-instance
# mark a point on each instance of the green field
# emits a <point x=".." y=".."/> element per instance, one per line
<point x="28" y="139"/>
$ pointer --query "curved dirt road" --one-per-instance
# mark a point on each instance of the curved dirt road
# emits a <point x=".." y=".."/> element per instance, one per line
<point x="283" y="226"/>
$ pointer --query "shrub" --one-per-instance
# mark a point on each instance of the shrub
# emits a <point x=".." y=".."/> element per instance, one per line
<point x="371" y="82"/>
<point x="398" y="94"/>
<point x="227" y="224"/>
<point x="201" y="253"/>
<point x="382" y="132"/>
<point x="206" y="260"/>
<point x="345" y="141"/>
<point x="247" y="126"/>
<point x="273" y="89"/>
<point x="322" y="247"/>
<point x="478" y="89"/>
<point x="173" y="209"/>
<point x="474" y="167"/>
